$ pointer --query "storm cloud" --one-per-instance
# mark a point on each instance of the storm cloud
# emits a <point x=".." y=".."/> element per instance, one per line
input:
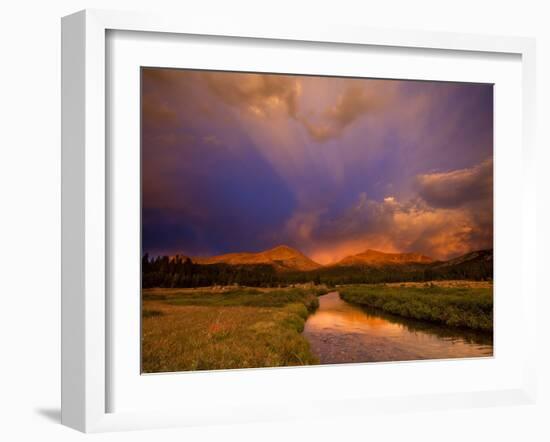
<point x="266" y="95"/>
<point x="457" y="188"/>
<point x="331" y="166"/>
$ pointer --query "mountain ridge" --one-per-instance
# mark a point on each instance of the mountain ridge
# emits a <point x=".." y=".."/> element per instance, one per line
<point x="377" y="258"/>
<point x="482" y="255"/>
<point x="282" y="257"/>
<point x="286" y="258"/>
<point x="285" y="265"/>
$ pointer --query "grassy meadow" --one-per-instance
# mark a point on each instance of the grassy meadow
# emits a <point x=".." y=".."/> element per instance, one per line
<point x="208" y="329"/>
<point x="452" y="305"/>
<point x="232" y="327"/>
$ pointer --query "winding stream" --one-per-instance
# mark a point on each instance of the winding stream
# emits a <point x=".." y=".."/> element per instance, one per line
<point x="341" y="332"/>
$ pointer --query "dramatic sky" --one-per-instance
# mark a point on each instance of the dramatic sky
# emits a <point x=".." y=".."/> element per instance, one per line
<point x="332" y="166"/>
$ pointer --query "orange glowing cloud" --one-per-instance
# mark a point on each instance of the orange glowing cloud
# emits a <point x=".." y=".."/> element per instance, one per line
<point x="452" y="215"/>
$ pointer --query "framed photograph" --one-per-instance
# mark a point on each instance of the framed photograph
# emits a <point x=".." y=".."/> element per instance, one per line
<point x="263" y="223"/>
<point x="293" y="220"/>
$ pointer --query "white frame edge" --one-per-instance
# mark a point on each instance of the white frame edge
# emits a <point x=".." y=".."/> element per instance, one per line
<point x="83" y="222"/>
<point x="83" y="334"/>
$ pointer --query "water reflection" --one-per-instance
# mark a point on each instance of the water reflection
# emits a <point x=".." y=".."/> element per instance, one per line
<point x="341" y="332"/>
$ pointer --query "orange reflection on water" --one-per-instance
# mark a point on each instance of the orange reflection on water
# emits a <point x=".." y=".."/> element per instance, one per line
<point x="351" y="320"/>
<point x="341" y="332"/>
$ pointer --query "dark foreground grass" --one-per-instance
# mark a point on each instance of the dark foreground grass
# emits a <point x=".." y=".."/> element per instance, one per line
<point x="240" y="328"/>
<point x="453" y="306"/>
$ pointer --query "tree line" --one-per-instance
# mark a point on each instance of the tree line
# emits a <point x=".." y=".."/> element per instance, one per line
<point x="171" y="272"/>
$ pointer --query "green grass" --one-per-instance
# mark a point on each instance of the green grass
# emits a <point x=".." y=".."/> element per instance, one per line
<point x="202" y="329"/>
<point x="453" y="306"/>
<point x="247" y="297"/>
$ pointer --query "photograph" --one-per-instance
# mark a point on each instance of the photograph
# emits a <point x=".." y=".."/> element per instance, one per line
<point x="299" y="220"/>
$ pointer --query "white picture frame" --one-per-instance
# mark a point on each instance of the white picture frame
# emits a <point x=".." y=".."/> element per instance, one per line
<point x="86" y="205"/>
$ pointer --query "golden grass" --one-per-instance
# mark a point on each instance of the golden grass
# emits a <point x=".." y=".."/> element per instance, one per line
<point x="445" y="283"/>
<point x="181" y="337"/>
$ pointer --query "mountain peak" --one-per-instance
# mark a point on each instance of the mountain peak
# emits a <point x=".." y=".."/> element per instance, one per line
<point x="282" y="257"/>
<point x="374" y="253"/>
<point x="376" y="257"/>
<point x="282" y="250"/>
<point x="283" y="247"/>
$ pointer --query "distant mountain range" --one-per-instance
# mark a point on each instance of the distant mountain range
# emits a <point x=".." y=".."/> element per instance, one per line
<point x="284" y="265"/>
<point x="287" y="259"/>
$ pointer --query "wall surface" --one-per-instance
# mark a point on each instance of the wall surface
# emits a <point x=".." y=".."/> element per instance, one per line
<point x="30" y="221"/>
